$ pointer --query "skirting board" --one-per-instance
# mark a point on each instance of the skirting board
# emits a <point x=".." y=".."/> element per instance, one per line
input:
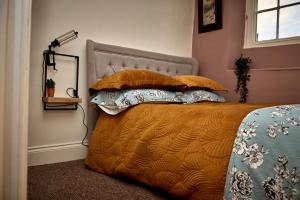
<point x="54" y="153"/>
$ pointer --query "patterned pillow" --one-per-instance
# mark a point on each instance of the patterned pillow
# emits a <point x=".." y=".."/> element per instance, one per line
<point x="114" y="102"/>
<point x="193" y="96"/>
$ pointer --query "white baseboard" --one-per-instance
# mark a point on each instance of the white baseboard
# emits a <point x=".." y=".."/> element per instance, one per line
<point x="54" y="153"/>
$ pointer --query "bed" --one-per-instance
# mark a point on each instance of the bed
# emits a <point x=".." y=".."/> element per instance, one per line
<point x="192" y="150"/>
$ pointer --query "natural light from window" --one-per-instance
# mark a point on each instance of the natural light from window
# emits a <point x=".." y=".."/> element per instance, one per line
<point x="265" y="4"/>
<point x="277" y="19"/>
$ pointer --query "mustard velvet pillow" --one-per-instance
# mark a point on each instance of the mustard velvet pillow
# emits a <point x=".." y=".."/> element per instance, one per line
<point x="200" y="82"/>
<point x="135" y="79"/>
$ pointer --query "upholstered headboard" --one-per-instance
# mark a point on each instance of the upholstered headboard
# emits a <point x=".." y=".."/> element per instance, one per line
<point x="102" y="59"/>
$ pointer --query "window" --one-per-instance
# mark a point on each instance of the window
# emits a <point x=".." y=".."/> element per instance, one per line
<point x="272" y="23"/>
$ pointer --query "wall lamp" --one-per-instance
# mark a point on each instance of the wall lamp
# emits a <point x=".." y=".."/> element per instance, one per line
<point x="57" y="42"/>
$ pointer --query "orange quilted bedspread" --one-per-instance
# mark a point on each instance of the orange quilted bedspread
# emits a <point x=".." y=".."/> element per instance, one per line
<point x="182" y="149"/>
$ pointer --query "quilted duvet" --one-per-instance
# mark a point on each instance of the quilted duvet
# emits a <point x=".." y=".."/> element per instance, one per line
<point x="182" y="149"/>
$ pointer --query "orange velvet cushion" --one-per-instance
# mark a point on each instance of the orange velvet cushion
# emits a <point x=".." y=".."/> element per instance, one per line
<point x="200" y="82"/>
<point x="134" y="79"/>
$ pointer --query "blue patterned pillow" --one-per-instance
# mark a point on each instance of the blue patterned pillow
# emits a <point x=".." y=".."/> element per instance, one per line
<point x="193" y="96"/>
<point x="114" y="102"/>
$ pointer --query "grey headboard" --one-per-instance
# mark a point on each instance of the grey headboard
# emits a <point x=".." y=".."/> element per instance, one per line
<point x="102" y="58"/>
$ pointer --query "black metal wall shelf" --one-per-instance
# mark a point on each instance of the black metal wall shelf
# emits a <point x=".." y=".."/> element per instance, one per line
<point x="59" y="103"/>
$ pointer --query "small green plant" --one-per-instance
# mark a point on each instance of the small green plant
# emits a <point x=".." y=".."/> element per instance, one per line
<point x="242" y="67"/>
<point x="50" y="83"/>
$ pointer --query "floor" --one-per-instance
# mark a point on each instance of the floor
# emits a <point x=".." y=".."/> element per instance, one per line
<point x="73" y="180"/>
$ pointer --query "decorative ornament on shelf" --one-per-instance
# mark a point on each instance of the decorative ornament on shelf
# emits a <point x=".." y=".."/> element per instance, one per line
<point x="242" y="67"/>
<point x="50" y="84"/>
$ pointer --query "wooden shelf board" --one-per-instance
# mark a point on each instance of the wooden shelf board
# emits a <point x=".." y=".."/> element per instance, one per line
<point x="61" y="100"/>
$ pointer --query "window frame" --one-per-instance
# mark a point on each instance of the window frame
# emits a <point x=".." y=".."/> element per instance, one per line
<point x="250" y="39"/>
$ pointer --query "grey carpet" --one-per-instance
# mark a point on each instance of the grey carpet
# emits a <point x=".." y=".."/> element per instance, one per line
<point x="72" y="180"/>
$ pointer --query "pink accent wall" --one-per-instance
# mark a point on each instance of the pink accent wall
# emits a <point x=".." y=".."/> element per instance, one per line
<point x="217" y="51"/>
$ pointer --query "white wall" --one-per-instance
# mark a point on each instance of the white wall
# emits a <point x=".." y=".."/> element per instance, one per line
<point x="163" y="26"/>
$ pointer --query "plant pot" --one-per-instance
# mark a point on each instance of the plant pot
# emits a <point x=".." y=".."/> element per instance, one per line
<point x="50" y="92"/>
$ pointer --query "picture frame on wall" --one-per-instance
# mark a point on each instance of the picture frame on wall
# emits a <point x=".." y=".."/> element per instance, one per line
<point x="209" y="15"/>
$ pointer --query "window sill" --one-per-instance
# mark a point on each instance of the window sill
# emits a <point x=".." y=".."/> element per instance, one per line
<point x="272" y="43"/>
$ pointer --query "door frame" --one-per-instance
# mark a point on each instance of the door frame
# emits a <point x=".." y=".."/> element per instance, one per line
<point x="15" y="27"/>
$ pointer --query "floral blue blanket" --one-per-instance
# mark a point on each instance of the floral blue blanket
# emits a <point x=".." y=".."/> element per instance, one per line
<point x="265" y="161"/>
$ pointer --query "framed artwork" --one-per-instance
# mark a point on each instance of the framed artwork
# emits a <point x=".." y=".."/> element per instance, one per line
<point x="209" y="15"/>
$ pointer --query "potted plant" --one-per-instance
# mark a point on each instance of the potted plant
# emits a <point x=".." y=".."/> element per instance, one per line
<point x="50" y="84"/>
<point x="242" y="67"/>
